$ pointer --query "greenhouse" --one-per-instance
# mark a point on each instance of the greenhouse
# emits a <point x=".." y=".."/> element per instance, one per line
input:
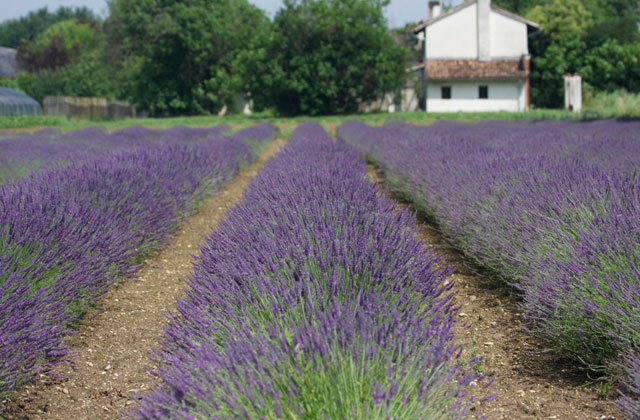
<point x="13" y="102"/>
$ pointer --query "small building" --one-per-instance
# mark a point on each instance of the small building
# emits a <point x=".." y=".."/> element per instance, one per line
<point x="573" y="92"/>
<point x="8" y="62"/>
<point x="475" y="58"/>
<point x="13" y="102"/>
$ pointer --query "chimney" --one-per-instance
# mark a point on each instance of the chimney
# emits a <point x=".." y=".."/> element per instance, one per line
<point x="484" y="36"/>
<point x="434" y="9"/>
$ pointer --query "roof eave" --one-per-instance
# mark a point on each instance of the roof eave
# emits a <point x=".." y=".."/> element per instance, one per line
<point x="512" y="15"/>
<point x="422" y="25"/>
<point x="460" y="79"/>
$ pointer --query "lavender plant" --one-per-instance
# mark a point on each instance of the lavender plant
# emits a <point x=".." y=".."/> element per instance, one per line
<point x="21" y="154"/>
<point x="66" y="233"/>
<point x="629" y="402"/>
<point x="554" y="208"/>
<point x="312" y="299"/>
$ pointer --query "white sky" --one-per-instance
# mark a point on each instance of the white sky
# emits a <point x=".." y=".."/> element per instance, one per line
<point x="399" y="12"/>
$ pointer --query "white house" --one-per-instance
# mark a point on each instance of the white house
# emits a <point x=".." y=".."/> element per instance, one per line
<point x="476" y="58"/>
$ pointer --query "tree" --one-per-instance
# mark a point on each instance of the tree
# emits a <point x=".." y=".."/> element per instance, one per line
<point x="558" y="49"/>
<point x="613" y="20"/>
<point x="14" y="32"/>
<point x="520" y="7"/>
<point x="179" y="57"/>
<point x="405" y="37"/>
<point x="67" y="58"/>
<point x="58" y="45"/>
<point x="325" y="57"/>
<point x="49" y="56"/>
<point x="613" y="66"/>
<point x="87" y="76"/>
<point x="597" y="38"/>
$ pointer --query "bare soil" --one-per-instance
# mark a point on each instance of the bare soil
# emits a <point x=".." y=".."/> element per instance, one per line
<point x="114" y="340"/>
<point x="33" y="129"/>
<point x="529" y="377"/>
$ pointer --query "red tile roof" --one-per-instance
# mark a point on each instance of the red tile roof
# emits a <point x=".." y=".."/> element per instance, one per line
<point x="474" y="69"/>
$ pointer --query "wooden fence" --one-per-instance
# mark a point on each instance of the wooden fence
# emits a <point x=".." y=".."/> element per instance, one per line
<point x="99" y="108"/>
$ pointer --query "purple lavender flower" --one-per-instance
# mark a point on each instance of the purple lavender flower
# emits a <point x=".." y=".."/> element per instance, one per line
<point x="312" y="298"/>
<point x="553" y="207"/>
<point x="67" y="232"/>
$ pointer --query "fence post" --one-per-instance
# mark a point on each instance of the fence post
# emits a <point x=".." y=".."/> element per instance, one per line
<point x="87" y="107"/>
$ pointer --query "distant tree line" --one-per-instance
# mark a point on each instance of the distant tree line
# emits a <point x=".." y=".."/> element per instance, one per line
<point x="14" y="32"/>
<point x="179" y="57"/>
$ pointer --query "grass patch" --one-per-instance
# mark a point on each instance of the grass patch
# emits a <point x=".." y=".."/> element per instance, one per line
<point x="617" y="103"/>
<point x="240" y="121"/>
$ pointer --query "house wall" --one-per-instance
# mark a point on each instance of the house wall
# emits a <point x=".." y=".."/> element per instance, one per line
<point x="410" y="102"/>
<point x="523" y="104"/>
<point x="508" y="36"/>
<point x="503" y="96"/>
<point x="456" y="36"/>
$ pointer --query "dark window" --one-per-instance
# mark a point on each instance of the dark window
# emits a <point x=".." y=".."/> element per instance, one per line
<point x="483" y="92"/>
<point x="446" y="92"/>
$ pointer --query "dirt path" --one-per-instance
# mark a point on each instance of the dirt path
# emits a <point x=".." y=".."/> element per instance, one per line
<point x="10" y="131"/>
<point x="530" y="379"/>
<point x="114" y="340"/>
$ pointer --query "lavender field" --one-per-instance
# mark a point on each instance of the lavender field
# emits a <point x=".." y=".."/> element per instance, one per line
<point x="315" y="296"/>
<point x="77" y="210"/>
<point x="313" y="299"/>
<point x="21" y="154"/>
<point x="551" y="207"/>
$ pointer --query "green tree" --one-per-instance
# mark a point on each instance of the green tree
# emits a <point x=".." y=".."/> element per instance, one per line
<point x="612" y="66"/>
<point x="405" y="37"/>
<point x="15" y="31"/>
<point x="597" y="38"/>
<point x="67" y="58"/>
<point x="89" y="75"/>
<point x="520" y="7"/>
<point x="558" y="49"/>
<point x="60" y="44"/>
<point x="179" y="57"/>
<point x="325" y="57"/>
<point x="78" y="33"/>
<point x="613" y="20"/>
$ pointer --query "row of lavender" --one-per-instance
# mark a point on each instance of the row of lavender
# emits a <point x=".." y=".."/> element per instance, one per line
<point x="312" y="299"/>
<point x="23" y="153"/>
<point x="68" y="232"/>
<point x="552" y="207"/>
